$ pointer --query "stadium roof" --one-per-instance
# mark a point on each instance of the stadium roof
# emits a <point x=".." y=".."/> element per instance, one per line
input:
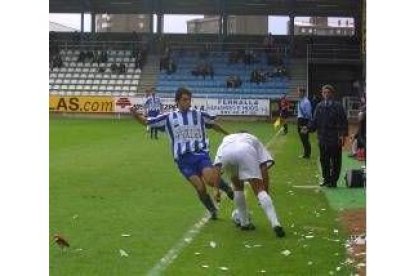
<point x="57" y="27"/>
<point x="340" y="8"/>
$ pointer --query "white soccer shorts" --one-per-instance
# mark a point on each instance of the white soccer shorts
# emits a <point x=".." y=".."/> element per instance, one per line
<point x="239" y="159"/>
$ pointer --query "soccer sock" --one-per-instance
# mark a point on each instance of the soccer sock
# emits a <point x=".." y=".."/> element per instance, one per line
<point x="240" y="202"/>
<point x="207" y="202"/>
<point x="267" y="206"/>
<point x="226" y="188"/>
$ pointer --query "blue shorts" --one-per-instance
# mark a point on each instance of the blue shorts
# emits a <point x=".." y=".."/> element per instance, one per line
<point x="193" y="163"/>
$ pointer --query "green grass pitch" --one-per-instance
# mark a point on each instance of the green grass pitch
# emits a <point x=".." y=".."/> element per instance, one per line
<point x="112" y="188"/>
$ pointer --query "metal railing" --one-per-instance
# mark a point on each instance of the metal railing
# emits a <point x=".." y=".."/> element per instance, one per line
<point x="333" y="52"/>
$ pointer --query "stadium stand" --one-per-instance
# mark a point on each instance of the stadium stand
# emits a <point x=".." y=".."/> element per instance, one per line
<point x="211" y="86"/>
<point x="83" y="78"/>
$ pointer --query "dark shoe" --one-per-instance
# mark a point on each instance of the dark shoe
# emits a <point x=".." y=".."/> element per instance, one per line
<point x="304" y="156"/>
<point x="230" y="194"/>
<point x="279" y="231"/>
<point x="213" y="215"/>
<point x="248" y="227"/>
<point x="323" y="184"/>
<point x="331" y="185"/>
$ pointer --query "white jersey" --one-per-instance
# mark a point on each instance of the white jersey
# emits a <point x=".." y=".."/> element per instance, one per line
<point x="186" y="130"/>
<point x="242" y="154"/>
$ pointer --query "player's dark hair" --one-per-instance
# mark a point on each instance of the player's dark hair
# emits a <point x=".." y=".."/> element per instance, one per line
<point x="180" y="92"/>
<point x="302" y="90"/>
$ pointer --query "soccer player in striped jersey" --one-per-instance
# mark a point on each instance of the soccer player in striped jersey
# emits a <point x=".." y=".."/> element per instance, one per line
<point x="153" y="107"/>
<point x="186" y="128"/>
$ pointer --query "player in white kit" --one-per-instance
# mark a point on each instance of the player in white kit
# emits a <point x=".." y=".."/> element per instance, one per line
<point x="244" y="158"/>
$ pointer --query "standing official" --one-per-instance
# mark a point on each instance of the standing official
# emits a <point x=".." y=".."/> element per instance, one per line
<point x="331" y="124"/>
<point x="304" y="117"/>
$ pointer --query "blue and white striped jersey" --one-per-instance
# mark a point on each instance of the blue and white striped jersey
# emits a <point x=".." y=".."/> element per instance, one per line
<point x="186" y="130"/>
<point x="153" y="103"/>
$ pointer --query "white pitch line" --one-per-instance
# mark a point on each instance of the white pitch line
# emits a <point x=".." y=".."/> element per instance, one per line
<point x="274" y="136"/>
<point x="188" y="237"/>
<point x="178" y="247"/>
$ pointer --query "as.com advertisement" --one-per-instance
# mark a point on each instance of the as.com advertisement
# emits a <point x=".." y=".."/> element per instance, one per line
<point x="81" y="104"/>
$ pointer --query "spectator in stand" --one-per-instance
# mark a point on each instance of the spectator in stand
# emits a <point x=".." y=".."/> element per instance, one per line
<point x="171" y="67"/>
<point x="268" y="42"/>
<point x="103" y="57"/>
<point x="233" y="81"/>
<point x="89" y="56"/>
<point x="82" y="56"/>
<point x="248" y="57"/>
<point x="258" y="76"/>
<point x="254" y="76"/>
<point x="57" y="61"/>
<point x="114" y="68"/>
<point x="122" y="68"/>
<point x="138" y="60"/>
<point x="164" y="60"/>
<point x="208" y="71"/>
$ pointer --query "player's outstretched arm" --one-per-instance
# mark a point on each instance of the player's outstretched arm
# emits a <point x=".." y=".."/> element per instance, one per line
<point x="138" y="116"/>
<point x="217" y="127"/>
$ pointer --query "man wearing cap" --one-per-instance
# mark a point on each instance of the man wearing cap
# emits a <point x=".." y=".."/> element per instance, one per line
<point x="331" y="124"/>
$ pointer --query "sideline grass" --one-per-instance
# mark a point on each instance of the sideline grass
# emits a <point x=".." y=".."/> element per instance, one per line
<point x="108" y="179"/>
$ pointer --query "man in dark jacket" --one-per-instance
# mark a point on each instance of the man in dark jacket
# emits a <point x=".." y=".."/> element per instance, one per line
<point x="331" y="124"/>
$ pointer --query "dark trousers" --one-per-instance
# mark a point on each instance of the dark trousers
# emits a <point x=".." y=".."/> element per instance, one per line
<point x="304" y="137"/>
<point x="154" y="132"/>
<point x="331" y="162"/>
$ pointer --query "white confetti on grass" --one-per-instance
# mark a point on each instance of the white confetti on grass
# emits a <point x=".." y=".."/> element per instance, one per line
<point x="310" y="263"/>
<point x="204" y="266"/>
<point x="125" y="235"/>
<point x="286" y="252"/>
<point x="213" y="244"/>
<point x="262" y="271"/>
<point x="75" y="216"/>
<point x="197" y="253"/>
<point x="224" y="268"/>
<point x="123" y="253"/>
